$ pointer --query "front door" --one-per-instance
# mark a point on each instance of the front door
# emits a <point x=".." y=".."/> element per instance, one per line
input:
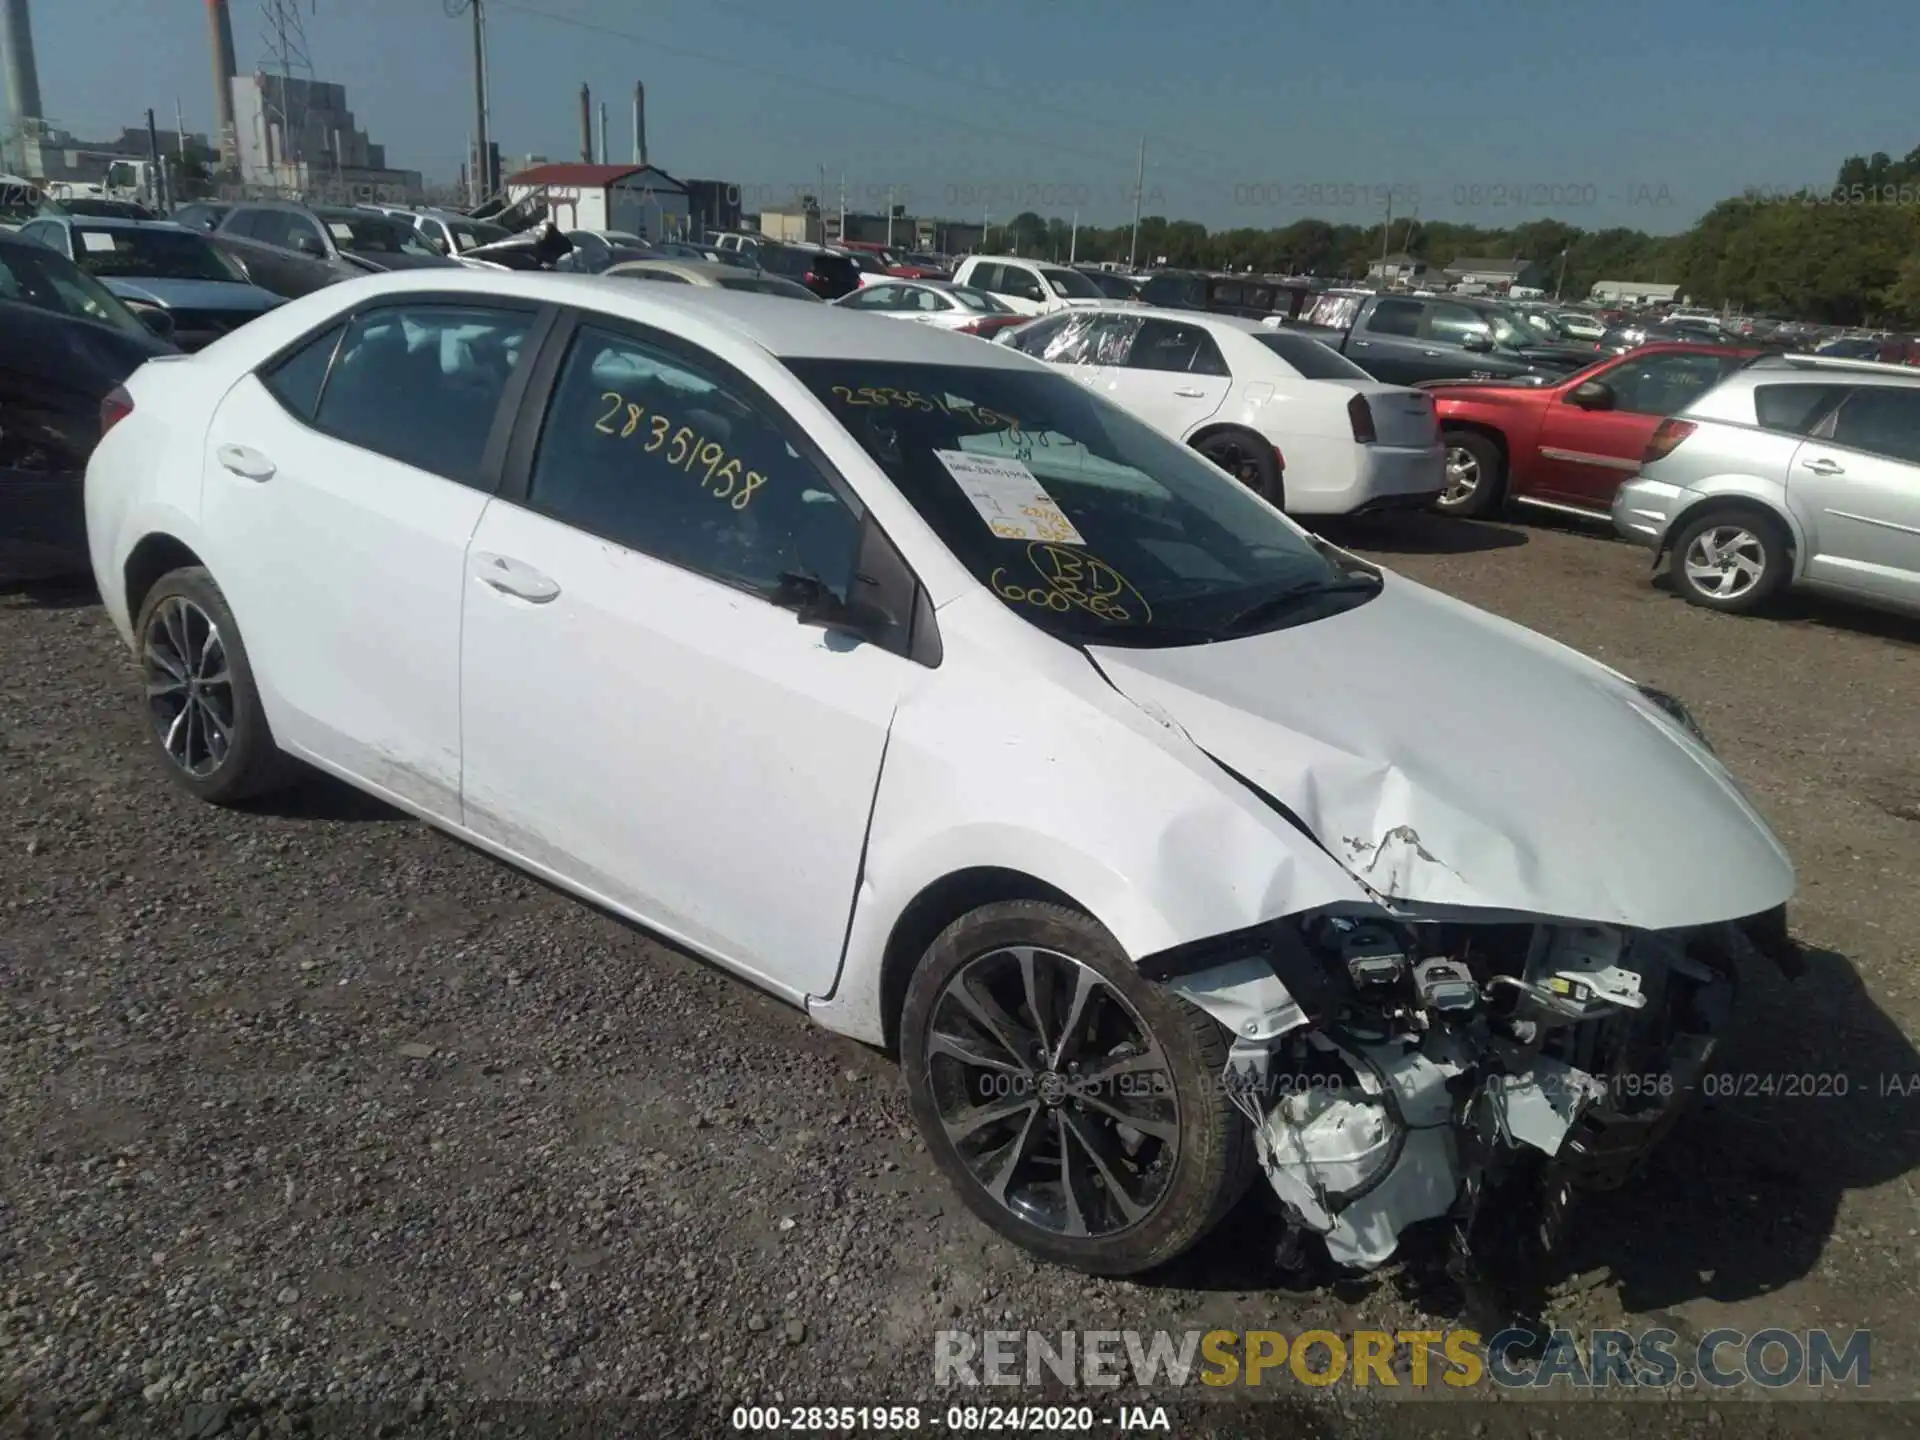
<point x="1585" y="454"/>
<point x="345" y="483"/>
<point x="1858" y="493"/>
<point x="1173" y="377"/>
<point x="639" y="720"/>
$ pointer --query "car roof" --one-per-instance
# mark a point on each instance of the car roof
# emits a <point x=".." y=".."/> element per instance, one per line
<point x="1205" y="319"/>
<point x="674" y="266"/>
<point x="116" y="222"/>
<point x="773" y="323"/>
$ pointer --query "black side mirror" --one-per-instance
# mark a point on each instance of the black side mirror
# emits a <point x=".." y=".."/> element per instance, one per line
<point x="1476" y="342"/>
<point x="1594" y="395"/>
<point x="155" y="319"/>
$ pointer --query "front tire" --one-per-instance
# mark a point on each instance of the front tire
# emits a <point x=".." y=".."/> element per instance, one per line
<point x="1730" y="560"/>
<point x="1078" y="1109"/>
<point x="203" y="712"/>
<point x="1476" y="475"/>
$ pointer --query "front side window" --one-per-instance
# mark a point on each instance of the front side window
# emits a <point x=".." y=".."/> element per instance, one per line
<point x="654" y="453"/>
<point x="1019" y="282"/>
<point x="1081" y="519"/>
<point x="421" y="384"/>
<point x="1881" y="420"/>
<point x="1455" y="324"/>
<point x="1071" y="284"/>
<point x="1662" y="384"/>
<point x="1035" y="337"/>
<point x="47" y="233"/>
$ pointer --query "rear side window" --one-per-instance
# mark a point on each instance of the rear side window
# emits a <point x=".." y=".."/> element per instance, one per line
<point x="1312" y="359"/>
<point x="1396" y="317"/>
<point x="295" y="382"/>
<point x="984" y="277"/>
<point x="1168" y="345"/>
<point x="1793" y="409"/>
<point x="1881" y="420"/>
<point x="240" y="222"/>
<point x="421" y="383"/>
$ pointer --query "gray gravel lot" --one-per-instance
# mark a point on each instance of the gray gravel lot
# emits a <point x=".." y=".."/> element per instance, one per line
<point x="311" y="1107"/>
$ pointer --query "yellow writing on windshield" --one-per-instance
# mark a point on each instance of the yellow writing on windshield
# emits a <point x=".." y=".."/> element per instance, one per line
<point x="1072" y="579"/>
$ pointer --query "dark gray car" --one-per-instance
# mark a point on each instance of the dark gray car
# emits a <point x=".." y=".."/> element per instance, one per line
<point x="294" y="249"/>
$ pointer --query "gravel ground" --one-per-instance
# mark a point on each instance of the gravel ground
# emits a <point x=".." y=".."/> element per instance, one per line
<point x="311" y="1108"/>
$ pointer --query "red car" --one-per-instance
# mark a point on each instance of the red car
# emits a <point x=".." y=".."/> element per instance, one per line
<point x="1567" y="445"/>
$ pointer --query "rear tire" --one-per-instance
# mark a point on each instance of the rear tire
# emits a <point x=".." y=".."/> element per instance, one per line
<point x="1250" y="460"/>
<point x="203" y="712"/>
<point x="1476" y="475"/>
<point x="1730" y="560"/>
<point x="1027" y="1117"/>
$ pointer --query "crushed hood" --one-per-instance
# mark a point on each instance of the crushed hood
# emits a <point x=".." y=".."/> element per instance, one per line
<point x="1447" y="757"/>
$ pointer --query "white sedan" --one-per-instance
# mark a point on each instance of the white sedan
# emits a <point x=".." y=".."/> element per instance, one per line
<point x="1290" y="417"/>
<point x="939" y="303"/>
<point x="906" y="678"/>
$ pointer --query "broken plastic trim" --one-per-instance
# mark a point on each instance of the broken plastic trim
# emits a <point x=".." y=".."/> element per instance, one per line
<point x="1312" y="982"/>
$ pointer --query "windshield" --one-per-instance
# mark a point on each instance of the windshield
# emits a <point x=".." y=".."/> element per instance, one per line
<point x="1512" y="330"/>
<point x="467" y="234"/>
<point x="768" y="285"/>
<point x="1072" y="284"/>
<point x="32" y="275"/>
<point x="124" y="252"/>
<point x="1114" y="287"/>
<point x="1084" y="521"/>
<point x="363" y="234"/>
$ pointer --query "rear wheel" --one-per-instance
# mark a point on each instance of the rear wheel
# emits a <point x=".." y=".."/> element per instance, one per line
<point x="1476" y="475"/>
<point x="202" y="710"/>
<point x="1077" y="1108"/>
<point x="1249" y="459"/>
<point x="1732" y="560"/>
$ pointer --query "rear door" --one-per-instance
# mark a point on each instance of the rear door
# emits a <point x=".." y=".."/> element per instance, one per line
<point x="1583" y="455"/>
<point x="1386" y="341"/>
<point x="1857" y="480"/>
<point x="1173" y="376"/>
<point x="341" y="485"/>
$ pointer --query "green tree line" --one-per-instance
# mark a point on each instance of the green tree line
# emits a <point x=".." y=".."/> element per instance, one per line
<point x="1846" y="255"/>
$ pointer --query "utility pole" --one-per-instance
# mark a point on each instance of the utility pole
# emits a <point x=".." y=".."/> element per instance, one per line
<point x="603" y="132"/>
<point x="843" y="208"/>
<point x="156" y="175"/>
<point x="480" y="172"/>
<point x="1139" y="189"/>
<point x="889" y="218"/>
<point x="1073" y="240"/>
<point x="1386" y="234"/>
<point x="1561" y="283"/>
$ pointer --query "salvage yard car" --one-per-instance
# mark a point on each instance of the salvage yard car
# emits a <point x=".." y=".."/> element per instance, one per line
<point x="1255" y="401"/>
<point x="907" y="678"/>
<point x="1800" y="471"/>
<point x="1568" y="445"/>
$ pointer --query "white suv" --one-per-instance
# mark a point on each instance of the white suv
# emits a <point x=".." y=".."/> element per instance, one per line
<point x="1032" y="287"/>
<point x="1800" y="470"/>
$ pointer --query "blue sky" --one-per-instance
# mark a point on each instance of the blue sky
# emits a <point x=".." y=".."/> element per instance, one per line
<point x="1638" y="112"/>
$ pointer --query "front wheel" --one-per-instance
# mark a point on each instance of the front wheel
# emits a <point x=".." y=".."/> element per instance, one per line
<point x="1476" y="475"/>
<point x="1078" y="1108"/>
<point x="1732" y="560"/>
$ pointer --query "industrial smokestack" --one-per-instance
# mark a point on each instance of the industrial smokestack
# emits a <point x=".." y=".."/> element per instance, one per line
<point x="639" y="123"/>
<point x="586" y="125"/>
<point x="220" y="31"/>
<point x="604" y="155"/>
<point x="23" y="81"/>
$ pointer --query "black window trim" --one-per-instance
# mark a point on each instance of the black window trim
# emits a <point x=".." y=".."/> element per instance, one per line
<point x="493" y="456"/>
<point x="1829" y="426"/>
<point x="920" y="637"/>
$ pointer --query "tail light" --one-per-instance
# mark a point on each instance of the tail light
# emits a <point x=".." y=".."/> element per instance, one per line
<point x="1360" y="416"/>
<point x="810" y="278"/>
<point x="115" y="408"/>
<point x="1666" y="435"/>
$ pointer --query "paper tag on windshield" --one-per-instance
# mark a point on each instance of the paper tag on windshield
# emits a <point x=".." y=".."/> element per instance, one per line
<point x="341" y="232"/>
<point x="1012" y="502"/>
<point x="94" y="240"/>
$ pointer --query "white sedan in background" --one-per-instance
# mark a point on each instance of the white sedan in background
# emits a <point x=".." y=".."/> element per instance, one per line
<point x="939" y="303"/>
<point x="910" y="680"/>
<point x="1295" y="421"/>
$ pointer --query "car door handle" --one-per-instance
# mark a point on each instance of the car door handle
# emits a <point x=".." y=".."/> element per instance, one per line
<point x="243" y="461"/>
<point x="1189" y="393"/>
<point x="1434" y="353"/>
<point x="512" y="577"/>
<point x="1824" y="466"/>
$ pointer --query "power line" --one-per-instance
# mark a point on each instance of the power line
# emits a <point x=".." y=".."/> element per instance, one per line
<point x="895" y="107"/>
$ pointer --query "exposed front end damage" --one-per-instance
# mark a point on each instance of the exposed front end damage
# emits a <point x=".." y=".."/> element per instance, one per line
<point x="1478" y="1073"/>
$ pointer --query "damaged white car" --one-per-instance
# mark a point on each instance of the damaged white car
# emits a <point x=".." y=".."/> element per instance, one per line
<point x="1171" y="846"/>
